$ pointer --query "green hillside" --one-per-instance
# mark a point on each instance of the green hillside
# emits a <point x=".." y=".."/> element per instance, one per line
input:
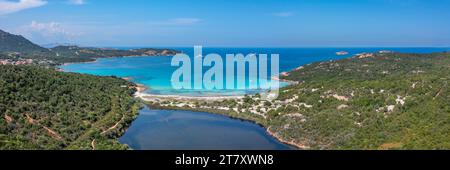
<point x="45" y="109"/>
<point x="387" y="101"/>
<point x="17" y="43"/>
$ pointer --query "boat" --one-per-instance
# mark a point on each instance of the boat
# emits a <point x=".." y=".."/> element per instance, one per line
<point x="342" y="53"/>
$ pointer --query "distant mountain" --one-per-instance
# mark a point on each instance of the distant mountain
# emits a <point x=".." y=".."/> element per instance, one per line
<point x="53" y="45"/>
<point x="90" y="52"/>
<point x="17" y="47"/>
<point x="10" y="43"/>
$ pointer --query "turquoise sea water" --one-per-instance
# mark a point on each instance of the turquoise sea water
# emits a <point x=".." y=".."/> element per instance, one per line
<point x="174" y="129"/>
<point x="156" y="72"/>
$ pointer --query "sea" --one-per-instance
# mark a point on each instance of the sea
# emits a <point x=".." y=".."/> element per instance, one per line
<point x="156" y="72"/>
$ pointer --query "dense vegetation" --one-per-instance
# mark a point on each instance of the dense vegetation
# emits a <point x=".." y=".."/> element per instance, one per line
<point x="394" y="101"/>
<point x="41" y="108"/>
<point x="376" y="101"/>
<point x="45" y="109"/>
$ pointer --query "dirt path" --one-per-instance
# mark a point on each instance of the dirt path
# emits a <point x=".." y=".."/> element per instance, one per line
<point x="8" y="119"/>
<point x="93" y="144"/>
<point x="113" y="127"/>
<point x="51" y="132"/>
<point x="440" y="91"/>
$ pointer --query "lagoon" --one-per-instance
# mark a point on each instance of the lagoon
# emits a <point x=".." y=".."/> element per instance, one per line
<point x="186" y="130"/>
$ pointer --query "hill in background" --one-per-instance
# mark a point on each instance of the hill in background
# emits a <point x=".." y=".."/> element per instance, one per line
<point x="16" y="48"/>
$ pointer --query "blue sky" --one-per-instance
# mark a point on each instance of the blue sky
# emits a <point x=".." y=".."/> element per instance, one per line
<point x="236" y="23"/>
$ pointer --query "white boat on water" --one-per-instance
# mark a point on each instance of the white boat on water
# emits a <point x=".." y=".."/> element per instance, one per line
<point x="342" y="53"/>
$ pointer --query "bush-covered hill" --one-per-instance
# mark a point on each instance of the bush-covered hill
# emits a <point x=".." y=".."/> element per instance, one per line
<point x="10" y="42"/>
<point x="380" y="101"/>
<point x="45" y="109"/>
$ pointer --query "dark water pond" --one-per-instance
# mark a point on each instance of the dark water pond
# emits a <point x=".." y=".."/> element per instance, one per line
<point x="184" y="130"/>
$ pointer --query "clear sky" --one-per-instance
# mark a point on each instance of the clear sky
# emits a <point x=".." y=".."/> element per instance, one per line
<point x="237" y="23"/>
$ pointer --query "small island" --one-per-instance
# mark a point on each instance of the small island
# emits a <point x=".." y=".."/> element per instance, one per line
<point x="342" y="53"/>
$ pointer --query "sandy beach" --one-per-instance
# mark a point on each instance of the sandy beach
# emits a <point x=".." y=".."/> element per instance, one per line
<point x="152" y="97"/>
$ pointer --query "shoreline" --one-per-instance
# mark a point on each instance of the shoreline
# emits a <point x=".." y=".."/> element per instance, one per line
<point x="153" y="97"/>
<point x="280" y="139"/>
<point x="145" y="97"/>
<point x="276" y="137"/>
<point x="79" y="62"/>
<point x="94" y="59"/>
<point x="140" y="94"/>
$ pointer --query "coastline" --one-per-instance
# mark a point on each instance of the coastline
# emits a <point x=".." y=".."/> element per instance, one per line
<point x="282" y="140"/>
<point x="95" y="59"/>
<point x="154" y="98"/>
<point x="140" y="94"/>
<point x="68" y="63"/>
<point x="295" y="146"/>
<point x="145" y="97"/>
